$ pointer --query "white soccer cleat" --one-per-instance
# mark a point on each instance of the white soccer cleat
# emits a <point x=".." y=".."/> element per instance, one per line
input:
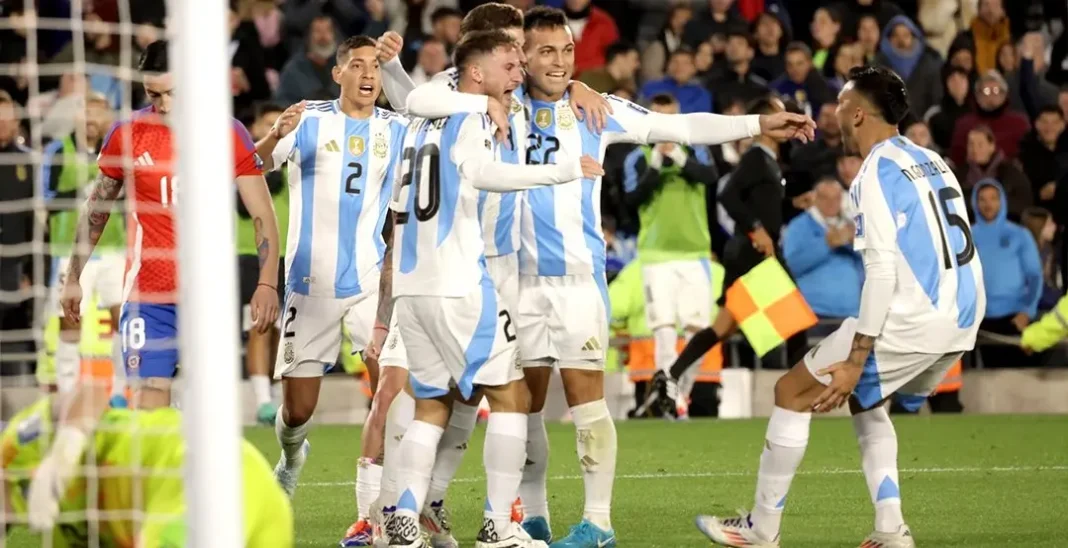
<point x="513" y="537"/>
<point x="435" y="521"/>
<point x="902" y="538"/>
<point x="734" y="532"/>
<point x="287" y="473"/>
<point x="403" y="531"/>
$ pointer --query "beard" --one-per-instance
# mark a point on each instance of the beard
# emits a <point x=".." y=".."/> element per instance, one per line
<point x="849" y="143"/>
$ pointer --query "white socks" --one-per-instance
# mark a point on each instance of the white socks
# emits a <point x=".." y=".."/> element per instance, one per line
<point x="664" y="350"/>
<point x="784" y="447"/>
<point x="68" y="361"/>
<point x="400" y="415"/>
<point x="368" y="485"/>
<point x="596" y="441"/>
<point x="451" y="449"/>
<point x="289" y="437"/>
<point x="415" y="460"/>
<point x="261" y="389"/>
<point x="878" y="456"/>
<point x="532" y="491"/>
<point x="503" y="457"/>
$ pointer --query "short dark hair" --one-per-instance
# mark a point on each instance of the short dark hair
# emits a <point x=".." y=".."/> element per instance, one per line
<point x="621" y="47"/>
<point x="663" y="100"/>
<point x="443" y="12"/>
<point x="681" y="50"/>
<point x="350" y="44"/>
<point x="798" y="47"/>
<point x="492" y="16"/>
<point x="480" y="43"/>
<point x="1050" y="109"/>
<point x="743" y="33"/>
<point x="544" y="17"/>
<point x="154" y="58"/>
<point x="265" y="108"/>
<point x="884" y="89"/>
<point x="763" y="105"/>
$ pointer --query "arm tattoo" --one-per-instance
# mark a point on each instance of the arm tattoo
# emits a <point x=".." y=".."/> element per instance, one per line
<point x="263" y="246"/>
<point x="385" y="284"/>
<point x="93" y="220"/>
<point x="862" y="347"/>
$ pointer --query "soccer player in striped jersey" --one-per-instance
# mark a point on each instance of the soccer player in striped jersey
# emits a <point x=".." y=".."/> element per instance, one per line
<point x="341" y="157"/>
<point x="458" y="333"/>
<point x="563" y="296"/>
<point x="920" y="309"/>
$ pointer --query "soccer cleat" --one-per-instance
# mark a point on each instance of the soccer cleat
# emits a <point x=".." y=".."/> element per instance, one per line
<point x="902" y="538"/>
<point x="403" y="531"/>
<point x="435" y="521"/>
<point x="265" y="414"/>
<point x="667" y="394"/>
<point x="118" y="401"/>
<point x="359" y="534"/>
<point x="288" y="473"/>
<point x="513" y="537"/>
<point x="735" y="532"/>
<point x="538" y="529"/>
<point x="587" y="535"/>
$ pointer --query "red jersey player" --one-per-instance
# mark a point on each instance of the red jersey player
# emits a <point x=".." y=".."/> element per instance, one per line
<point x="141" y="151"/>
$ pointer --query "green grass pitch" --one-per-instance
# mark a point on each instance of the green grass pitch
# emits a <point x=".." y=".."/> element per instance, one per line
<point x="967" y="481"/>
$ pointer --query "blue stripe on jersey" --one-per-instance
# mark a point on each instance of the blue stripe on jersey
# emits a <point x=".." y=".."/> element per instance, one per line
<point x="483" y="195"/>
<point x="307" y="142"/>
<point x="350" y="204"/>
<point x="450" y="175"/>
<point x="548" y="238"/>
<point x="396" y="146"/>
<point x="914" y="238"/>
<point x="591" y="229"/>
<point x="502" y="233"/>
<point x="966" y="292"/>
<point x="410" y="240"/>
<point x="478" y="350"/>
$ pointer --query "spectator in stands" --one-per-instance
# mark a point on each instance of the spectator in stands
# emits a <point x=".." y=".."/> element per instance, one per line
<point x="1044" y="155"/>
<point x="680" y="84"/>
<point x="620" y="249"/>
<point x="985" y="161"/>
<point x="720" y="17"/>
<point x="59" y="106"/>
<point x="654" y="58"/>
<point x="1025" y="70"/>
<point x="248" y="68"/>
<point x="703" y="59"/>
<point x="1039" y="222"/>
<point x="847" y="167"/>
<point x="992" y="110"/>
<point x="432" y="59"/>
<point x="593" y="30"/>
<point x="818" y="250"/>
<point x="346" y="16"/>
<point x="768" y="61"/>
<point x="734" y="80"/>
<point x="1012" y="272"/>
<point x="826" y="24"/>
<point x="16" y="220"/>
<point x="988" y="31"/>
<point x="267" y="18"/>
<point x="817" y="160"/>
<point x="445" y="26"/>
<point x="801" y="83"/>
<point x="619" y="71"/>
<point x="854" y="11"/>
<point x="868" y="36"/>
<point x="956" y="102"/>
<point x="1062" y="99"/>
<point x="309" y="75"/>
<point x="961" y="54"/>
<point x="843" y="58"/>
<point x="904" y="50"/>
<point x="916" y="130"/>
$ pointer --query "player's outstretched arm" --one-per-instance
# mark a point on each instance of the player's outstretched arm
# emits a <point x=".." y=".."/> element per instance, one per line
<point x="702" y="128"/>
<point x="94" y="217"/>
<point x="257" y="199"/>
<point x="396" y="83"/>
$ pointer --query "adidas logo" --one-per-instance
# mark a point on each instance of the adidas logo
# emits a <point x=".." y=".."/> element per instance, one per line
<point x="332" y="146"/>
<point x="145" y="159"/>
<point x="591" y="344"/>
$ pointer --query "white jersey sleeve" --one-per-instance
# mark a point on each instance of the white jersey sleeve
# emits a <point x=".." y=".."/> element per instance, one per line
<point x="630" y="123"/>
<point x="438" y="98"/>
<point x="875" y="226"/>
<point x="396" y="84"/>
<point x="284" y="149"/>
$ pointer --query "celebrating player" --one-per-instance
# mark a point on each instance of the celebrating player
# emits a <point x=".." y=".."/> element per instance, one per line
<point x="341" y="161"/>
<point x="920" y="308"/>
<point x="140" y="455"/>
<point x="456" y="330"/>
<point x="563" y="295"/>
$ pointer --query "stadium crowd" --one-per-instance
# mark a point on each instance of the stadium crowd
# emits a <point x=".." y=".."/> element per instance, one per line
<point x="988" y="82"/>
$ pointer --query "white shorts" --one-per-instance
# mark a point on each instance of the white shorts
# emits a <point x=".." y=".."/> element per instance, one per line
<point x="503" y="270"/>
<point x="311" y="331"/>
<point x="678" y="293"/>
<point x="464" y="341"/>
<point x="563" y="319"/>
<point x="102" y="276"/>
<point x="911" y="375"/>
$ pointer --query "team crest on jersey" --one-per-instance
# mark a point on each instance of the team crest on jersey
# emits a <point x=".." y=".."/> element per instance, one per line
<point x="517" y="107"/>
<point x="380" y="148"/>
<point x="858" y="221"/>
<point x="543" y="118"/>
<point x="393" y="342"/>
<point x="133" y="362"/>
<point x="356" y="145"/>
<point x="565" y="117"/>
<point x="289" y="354"/>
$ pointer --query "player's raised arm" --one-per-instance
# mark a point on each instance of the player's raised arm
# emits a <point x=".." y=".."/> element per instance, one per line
<point x="396" y="83"/>
<point x="278" y="144"/>
<point x="474" y="158"/>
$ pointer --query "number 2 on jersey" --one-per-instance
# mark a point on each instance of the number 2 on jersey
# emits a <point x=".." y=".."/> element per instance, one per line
<point x="946" y="194"/>
<point x="427" y="183"/>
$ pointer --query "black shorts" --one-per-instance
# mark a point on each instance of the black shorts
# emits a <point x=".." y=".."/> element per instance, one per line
<point x="248" y="268"/>
<point x="739" y="257"/>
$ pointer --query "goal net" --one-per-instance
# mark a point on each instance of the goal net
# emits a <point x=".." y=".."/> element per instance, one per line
<point x="67" y="78"/>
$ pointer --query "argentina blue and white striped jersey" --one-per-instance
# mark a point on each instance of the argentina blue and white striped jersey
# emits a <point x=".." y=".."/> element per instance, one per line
<point x="438" y="248"/>
<point x="341" y="179"/>
<point x="560" y="231"/>
<point x="910" y="204"/>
